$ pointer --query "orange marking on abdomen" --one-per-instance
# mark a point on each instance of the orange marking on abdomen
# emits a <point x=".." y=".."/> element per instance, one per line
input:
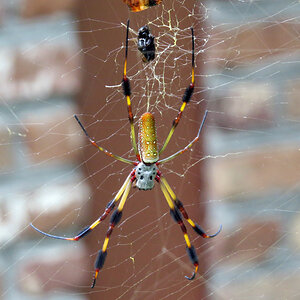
<point x="147" y="139"/>
<point x="139" y="5"/>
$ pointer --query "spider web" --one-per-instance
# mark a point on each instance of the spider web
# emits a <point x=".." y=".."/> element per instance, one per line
<point x="245" y="177"/>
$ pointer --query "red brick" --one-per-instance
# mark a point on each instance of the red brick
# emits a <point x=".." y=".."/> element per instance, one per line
<point x="53" y="269"/>
<point x="6" y="149"/>
<point x="53" y="137"/>
<point x="245" y="105"/>
<point x="47" y="207"/>
<point x="57" y="206"/>
<point x="292" y="93"/>
<point x="252" y="173"/>
<point x="240" y="45"/>
<point x="40" y="72"/>
<point x="270" y="285"/>
<point x="32" y="8"/>
<point x="2" y="13"/>
<point x="294" y="232"/>
<point x="250" y="242"/>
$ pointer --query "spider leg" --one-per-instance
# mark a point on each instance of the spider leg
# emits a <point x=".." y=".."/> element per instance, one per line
<point x="180" y="208"/>
<point x="124" y="160"/>
<point x="188" y="146"/>
<point x="127" y="93"/>
<point x="176" y="215"/>
<point x="114" y="220"/>
<point x="109" y="207"/>
<point x="185" y="99"/>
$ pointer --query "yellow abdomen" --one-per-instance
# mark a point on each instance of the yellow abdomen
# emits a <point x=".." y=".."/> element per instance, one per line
<point x="147" y="139"/>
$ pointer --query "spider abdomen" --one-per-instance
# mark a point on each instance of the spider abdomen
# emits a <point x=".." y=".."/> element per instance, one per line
<point x="147" y="139"/>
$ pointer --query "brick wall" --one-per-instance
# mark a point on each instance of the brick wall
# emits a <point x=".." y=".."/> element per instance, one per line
<point x="252" y="138"/>
<point x="253" y="169"/>
<point x="39" y="149"/>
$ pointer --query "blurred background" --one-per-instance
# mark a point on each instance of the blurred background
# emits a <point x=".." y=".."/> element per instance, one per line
<point x="59" y="58"/>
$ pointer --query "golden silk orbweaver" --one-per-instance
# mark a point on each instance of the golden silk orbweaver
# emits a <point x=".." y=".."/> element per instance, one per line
<point x="145" y="172"/>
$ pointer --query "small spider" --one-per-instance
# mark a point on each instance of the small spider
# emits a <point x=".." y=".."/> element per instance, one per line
<point x="145" y="172"/>
<point x="146" y="43"/>
<point x="139" y="5"/>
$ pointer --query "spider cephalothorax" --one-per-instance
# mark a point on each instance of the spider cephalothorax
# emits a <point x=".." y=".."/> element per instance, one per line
<point x="145" y="176"/>
<point x="145" y="171"/>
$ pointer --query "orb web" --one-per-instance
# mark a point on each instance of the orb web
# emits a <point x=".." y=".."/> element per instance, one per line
<point x="246" y="76"/>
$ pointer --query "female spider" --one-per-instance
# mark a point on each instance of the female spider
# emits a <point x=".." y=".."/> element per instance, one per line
<point x="145" y="172"/>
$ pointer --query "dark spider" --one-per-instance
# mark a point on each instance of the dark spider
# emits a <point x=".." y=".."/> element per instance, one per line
<point x="146" y="43"/>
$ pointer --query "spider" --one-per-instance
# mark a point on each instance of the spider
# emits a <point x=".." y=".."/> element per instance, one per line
<point x="145" y="172"/>
<point x="139" y="5"/>
<point x="146" y="44"/>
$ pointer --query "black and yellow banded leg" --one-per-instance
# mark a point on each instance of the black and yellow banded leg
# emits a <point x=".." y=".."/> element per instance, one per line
<point x="180" y="207"/>
<point x="127" y="93"/>
<point x="108" y="153"/>
<point x="176" y="215"/>
<point x="114" y="220"/>
<point x="109" y="207"/>
<point x="185" y="99"/>
<point x="171" y="157"/>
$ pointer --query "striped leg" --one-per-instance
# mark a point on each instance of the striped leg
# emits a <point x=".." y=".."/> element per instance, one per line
<point x="176" y="215"/>
<point x="114" y="220"/>
<point x="185" y="99"/>
<point x="179" y="207"/>
<point x="127" y="93"/>
<point x="188" y="146"/>
<point x="110" y="206"/>
<point x="102" y="149"/>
